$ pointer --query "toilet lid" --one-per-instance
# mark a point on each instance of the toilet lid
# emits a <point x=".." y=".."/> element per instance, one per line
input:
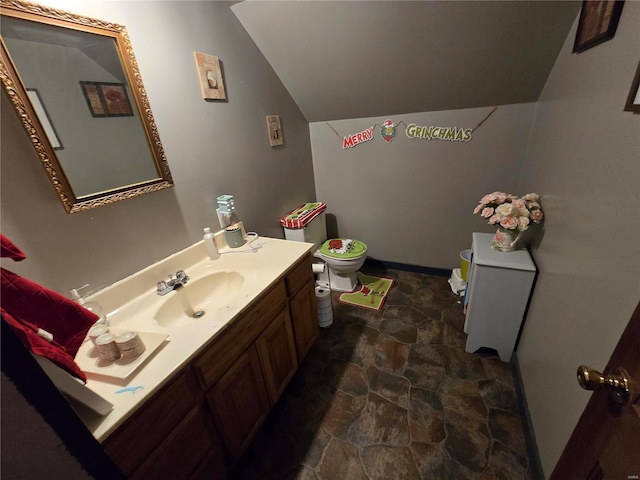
<point x="343" y="248"/>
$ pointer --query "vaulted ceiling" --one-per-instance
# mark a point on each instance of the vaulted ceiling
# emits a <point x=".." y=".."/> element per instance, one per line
<point x="354" y="59"/>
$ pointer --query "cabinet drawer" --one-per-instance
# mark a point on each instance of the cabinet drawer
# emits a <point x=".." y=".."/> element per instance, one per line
<point x="181" y="453"/>
<point x="154" y="421"/>
<point x="300" y="274"/>
<point x="224" y="350"/>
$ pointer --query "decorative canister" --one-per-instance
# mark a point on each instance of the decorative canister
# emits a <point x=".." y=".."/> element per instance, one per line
<point x="233" y="234"/>
<point x="130" y="344"/>
<point x="107" y="348"/>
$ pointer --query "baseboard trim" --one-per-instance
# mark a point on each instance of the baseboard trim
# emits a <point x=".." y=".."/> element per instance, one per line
<point x="530" y="436"/>
<point x="438" y="272"/>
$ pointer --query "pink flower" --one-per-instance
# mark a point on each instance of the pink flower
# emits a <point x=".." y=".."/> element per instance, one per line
<point x="501" y="197"/>
<point x="491" y="198"/>
<point x="487" y="212"/>
<point x="509" y="222"/>
<point x="478" y="209"/>
<point x="537" y="216"/>
<point x="519" y="203"/>
<point x="495" y="219"/>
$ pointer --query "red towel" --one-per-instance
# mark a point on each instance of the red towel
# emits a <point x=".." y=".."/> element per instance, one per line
<point x="8" y="249"/>
<point x="27" y="307"/>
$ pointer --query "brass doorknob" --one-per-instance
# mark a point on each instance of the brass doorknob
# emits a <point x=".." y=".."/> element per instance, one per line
<point x="617" y="381"/>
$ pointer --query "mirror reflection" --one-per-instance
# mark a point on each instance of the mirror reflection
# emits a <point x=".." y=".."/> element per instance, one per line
<point x="87" y="113"/>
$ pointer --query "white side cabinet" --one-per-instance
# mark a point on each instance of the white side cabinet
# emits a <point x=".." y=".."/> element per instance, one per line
<point x="498" y="291"/>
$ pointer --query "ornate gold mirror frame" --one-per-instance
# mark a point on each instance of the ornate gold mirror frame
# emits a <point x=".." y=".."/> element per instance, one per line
<point x="17" y="93"/>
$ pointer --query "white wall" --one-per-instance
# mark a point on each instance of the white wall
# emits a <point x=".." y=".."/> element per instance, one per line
<point x="213" y="148"/>
<point x="411" y="201"/>
<point x="584" y="159"/>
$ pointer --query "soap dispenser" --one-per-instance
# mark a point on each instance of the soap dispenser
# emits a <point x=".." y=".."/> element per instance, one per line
<point x="210" y="243"/>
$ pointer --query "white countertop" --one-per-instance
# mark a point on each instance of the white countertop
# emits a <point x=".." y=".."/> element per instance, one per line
<point x="260" y="270"/>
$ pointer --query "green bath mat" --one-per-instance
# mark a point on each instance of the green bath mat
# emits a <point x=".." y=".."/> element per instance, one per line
<point x="372" y="292"/>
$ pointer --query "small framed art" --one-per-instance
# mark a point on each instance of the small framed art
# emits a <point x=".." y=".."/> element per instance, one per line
<point x="106" y="99"/>
<point x="43" y="116"/>
<point x="210" y="75"/>
<point x="598" y="23"/>
<point x="633" y="100"/>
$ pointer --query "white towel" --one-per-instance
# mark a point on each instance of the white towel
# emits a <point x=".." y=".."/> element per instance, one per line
<point x="458" y="286"/>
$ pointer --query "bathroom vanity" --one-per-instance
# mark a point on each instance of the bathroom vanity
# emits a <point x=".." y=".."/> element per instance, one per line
<point x="207" y="390"/>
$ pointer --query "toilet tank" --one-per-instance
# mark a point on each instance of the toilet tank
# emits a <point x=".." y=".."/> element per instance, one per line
<point x="313" y="232"/>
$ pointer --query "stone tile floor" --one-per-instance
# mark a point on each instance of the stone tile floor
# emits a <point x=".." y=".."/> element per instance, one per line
<point x="392" y="394"/>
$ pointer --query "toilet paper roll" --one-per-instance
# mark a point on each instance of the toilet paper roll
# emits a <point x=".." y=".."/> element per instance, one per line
<point x="325" y="307"/>
<point x="318" y="267"/>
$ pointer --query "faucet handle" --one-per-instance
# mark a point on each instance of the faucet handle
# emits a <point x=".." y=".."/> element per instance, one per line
<point x="180" y="274"/>
<point x="162" y="288"/>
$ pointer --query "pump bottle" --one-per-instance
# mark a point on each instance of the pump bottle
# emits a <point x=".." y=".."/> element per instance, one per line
<point x="210" y="243"/>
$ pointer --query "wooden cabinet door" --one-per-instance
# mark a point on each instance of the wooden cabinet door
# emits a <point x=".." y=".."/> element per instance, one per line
<point x="180" y="453"/>
<point x="152" y="424"/>
<point x="239" y="402"/>
<point x="277" y="352"/>
<point x="304" y="313"/>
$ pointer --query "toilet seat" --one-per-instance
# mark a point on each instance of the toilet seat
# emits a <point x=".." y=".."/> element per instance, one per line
<point x="343" y="249"/>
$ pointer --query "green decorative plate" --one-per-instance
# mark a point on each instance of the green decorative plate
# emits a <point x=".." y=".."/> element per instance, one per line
<point x="344" y="249"/>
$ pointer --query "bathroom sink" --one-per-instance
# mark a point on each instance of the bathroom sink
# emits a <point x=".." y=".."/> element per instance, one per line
<point x="200" y="298"/>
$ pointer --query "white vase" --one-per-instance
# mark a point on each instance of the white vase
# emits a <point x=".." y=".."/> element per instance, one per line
<point x="504" y="240"/>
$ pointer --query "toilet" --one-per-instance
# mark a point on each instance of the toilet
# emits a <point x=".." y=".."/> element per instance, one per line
<point x="343" y="257"/>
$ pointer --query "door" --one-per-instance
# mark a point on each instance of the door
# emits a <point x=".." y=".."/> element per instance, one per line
<point x="606" y="441"/>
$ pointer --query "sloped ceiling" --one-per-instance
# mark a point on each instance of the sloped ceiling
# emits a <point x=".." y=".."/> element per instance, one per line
<point x="353" y="59"/>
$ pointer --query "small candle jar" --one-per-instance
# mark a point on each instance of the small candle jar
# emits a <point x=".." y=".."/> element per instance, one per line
<point x="107" y="348"/>
<point x="130" y="344"/>
<point x="96" y="331"/>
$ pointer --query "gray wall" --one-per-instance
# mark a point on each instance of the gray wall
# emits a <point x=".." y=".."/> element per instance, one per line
<point x="584" y="159"/>
<point x="411" y="201"/>
<point x="213" y="148"/>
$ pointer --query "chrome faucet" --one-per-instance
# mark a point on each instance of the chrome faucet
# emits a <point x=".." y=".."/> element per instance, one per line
<point x="165" y="286"/>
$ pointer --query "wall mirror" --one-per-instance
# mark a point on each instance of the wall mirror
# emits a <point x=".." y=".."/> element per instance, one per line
<point x="75" y="85"/>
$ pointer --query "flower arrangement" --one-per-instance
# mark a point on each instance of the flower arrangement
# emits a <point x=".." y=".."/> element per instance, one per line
<point x="511" y="214"/>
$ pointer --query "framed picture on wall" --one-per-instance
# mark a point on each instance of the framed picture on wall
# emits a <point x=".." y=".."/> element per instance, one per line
<point x="210" y="75"/>
<point x="43" y="116"/>
<point x="598" y="23"/>
<point x="633" y="100"/>
<point x="106" y="99"/>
